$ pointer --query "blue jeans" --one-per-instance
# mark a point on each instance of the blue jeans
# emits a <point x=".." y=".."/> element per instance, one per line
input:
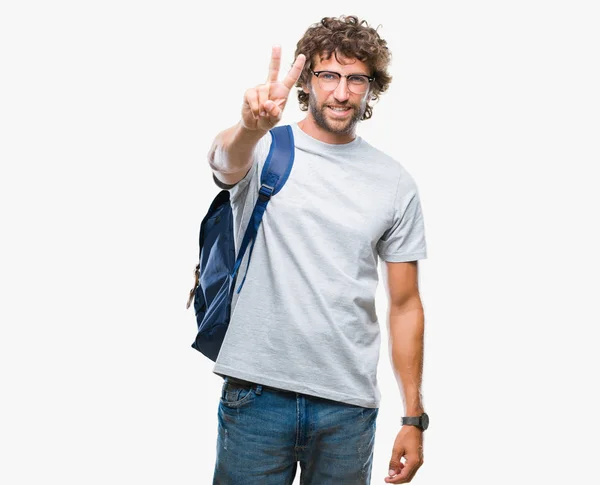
<point x="264" y="432"/>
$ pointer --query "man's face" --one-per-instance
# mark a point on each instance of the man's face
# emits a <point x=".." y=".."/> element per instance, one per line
<point x="321" y="102"/>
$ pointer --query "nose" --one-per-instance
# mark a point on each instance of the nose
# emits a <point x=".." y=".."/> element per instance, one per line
<point x="341" y="92"/>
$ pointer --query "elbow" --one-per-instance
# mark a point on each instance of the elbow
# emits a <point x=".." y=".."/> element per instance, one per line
<point x="405" y="304"/>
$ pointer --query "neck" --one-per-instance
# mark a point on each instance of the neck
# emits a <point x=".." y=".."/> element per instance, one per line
<point x="310" y="127"/>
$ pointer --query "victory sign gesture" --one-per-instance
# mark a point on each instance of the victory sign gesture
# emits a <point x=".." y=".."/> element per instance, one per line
<point x="263" y="105"/>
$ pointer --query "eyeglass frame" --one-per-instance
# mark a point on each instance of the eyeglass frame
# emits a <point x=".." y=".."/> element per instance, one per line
<point x="370" y="79"/>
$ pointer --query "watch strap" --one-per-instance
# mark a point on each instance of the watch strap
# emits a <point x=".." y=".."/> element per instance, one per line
<point x="412" y="420"/>
<point x="421" y="422"/>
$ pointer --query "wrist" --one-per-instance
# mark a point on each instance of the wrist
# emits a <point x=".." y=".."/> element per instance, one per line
<point x="421" y="422"/>
<point x="248" y="133"/>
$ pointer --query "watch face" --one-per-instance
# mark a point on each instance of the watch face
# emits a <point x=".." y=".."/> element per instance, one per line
<point x="424" y="421"/>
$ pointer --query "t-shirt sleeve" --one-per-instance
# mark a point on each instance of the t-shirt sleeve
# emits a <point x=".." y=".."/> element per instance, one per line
<point x="404" y="240"/>
<point x="259" y="156"/>
<point x="225" y="186"/>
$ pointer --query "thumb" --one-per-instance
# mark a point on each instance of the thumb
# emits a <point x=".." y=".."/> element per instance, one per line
<point x="272" y="109"/>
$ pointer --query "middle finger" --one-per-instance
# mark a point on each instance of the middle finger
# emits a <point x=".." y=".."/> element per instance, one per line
<point x="274" y="65"/>
<point x="263" y="96"/>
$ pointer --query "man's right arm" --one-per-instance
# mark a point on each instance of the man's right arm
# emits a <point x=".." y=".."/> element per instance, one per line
<point x="231" y="154"/>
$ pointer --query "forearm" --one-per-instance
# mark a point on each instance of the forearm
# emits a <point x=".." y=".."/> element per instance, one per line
<point x="406" y="328"/>
<point x="232" y="149"/>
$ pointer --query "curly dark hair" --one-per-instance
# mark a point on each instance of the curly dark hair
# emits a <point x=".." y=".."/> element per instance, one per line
<point x="352" y="38"/>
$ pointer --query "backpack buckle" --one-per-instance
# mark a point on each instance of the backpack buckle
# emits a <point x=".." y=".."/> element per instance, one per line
<point x="264" y="194"/>
<point x="193" y="290"/>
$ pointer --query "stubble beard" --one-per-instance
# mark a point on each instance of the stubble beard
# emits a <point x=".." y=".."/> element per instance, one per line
<point x="338" y="127"/>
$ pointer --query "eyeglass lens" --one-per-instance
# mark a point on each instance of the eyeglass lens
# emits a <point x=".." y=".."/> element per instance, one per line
<point x="330" y="80"/>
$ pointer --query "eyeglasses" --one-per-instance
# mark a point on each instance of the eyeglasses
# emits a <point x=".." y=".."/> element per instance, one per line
<point x="357" y="83"/>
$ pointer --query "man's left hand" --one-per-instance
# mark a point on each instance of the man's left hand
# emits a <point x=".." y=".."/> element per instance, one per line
<point x="408" y="444"/>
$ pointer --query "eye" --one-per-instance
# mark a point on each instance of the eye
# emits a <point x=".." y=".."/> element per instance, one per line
<point x="357" y="79"/>
<point x="329" y="76"/>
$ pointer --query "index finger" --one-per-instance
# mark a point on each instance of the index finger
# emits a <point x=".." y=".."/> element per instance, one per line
<point x="407" y="473"/>
<point x="295" y="72"/>
<point x="274" y="65"/>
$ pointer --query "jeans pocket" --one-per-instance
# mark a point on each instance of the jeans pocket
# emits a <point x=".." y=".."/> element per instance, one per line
<point x="369" y="415"/>
<point x="235" y="394"/>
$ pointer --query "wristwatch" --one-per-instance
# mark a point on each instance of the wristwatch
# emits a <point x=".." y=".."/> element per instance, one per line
<point x="421" y="422"/>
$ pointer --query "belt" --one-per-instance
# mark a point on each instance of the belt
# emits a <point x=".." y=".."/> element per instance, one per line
<point x="253" y="384"/>
<point x="240" y="381"/>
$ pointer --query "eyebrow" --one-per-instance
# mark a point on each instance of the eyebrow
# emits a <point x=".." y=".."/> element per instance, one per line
<point x="351" y="74"/>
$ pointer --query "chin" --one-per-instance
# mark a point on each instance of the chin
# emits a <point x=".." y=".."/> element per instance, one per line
<point x="328" y="122"/>
<point x="340" y="126"/>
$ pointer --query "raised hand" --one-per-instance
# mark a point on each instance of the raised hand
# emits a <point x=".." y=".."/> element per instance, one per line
<point x="263" y="105"/>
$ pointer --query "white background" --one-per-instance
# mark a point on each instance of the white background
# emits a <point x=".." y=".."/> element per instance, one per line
<point x="107" y="111"/>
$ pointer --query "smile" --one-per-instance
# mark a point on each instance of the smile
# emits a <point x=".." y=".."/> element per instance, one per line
<point x="339" y="111"/>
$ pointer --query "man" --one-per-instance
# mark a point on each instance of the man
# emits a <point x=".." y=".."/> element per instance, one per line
<point x="300" y="355"/>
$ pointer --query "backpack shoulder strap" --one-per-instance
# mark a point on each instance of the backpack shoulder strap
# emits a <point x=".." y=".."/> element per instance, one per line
<point x="275" y="173"/>
<point x="279" y="162"/>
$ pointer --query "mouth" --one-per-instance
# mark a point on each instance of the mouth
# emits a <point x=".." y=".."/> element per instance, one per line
<point x="339" y="111"/>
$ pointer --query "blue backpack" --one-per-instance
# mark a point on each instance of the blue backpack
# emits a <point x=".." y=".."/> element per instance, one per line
<point x="217" y="270"/>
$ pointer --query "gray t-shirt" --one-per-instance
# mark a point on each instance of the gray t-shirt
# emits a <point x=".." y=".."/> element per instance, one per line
<point x="305" y="319"/>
